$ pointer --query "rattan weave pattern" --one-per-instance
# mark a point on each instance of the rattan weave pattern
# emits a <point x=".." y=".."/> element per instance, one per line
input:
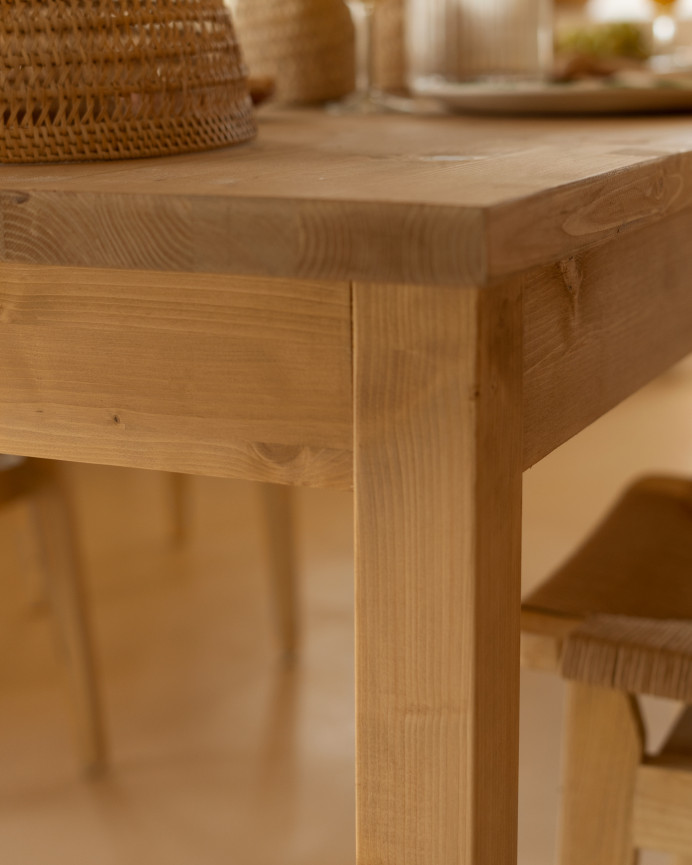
<point x="636" y="655"/>
<point x="113" y="79"/>
<point x="307" y="46"/>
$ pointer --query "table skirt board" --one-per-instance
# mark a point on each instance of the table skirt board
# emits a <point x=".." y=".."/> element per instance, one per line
<point x="252" y="377"/>
<point x="242" y="377"/>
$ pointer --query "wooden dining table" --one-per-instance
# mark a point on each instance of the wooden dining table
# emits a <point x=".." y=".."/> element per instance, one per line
<point x="418" y="308"/>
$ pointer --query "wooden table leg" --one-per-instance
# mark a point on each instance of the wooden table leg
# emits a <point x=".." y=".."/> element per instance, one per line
<point x="438" y="513"/>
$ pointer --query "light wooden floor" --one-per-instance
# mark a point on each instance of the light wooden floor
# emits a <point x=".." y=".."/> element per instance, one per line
<point x="221" y="755"/>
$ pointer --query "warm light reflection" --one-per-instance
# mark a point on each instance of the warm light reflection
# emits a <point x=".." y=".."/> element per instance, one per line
<point x="633" y="10"/>
<point x="618" y="10"/>
<point x="664" y="29"/>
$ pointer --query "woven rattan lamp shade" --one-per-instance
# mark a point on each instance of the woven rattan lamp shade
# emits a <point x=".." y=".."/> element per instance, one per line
<point x="307" y="46"/>
<point x="115" y="79"/>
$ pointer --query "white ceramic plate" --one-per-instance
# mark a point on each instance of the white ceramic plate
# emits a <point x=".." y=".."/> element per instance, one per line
<point x="588" y="97"/>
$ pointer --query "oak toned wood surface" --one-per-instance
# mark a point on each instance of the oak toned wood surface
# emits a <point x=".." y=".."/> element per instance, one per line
<point x="391" y="199"/>
<point x="604" y="744"/>
<point x="601" y="323"/>
<point x="207" y="314"/>
<point x="246" y="377"/>
<point x="297" y="425"/>
<point x="438" y="500"/>
<point x="599" y="207"/>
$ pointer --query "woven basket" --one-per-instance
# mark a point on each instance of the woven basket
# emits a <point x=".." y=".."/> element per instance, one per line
<point x="389" y="52"/>
<point x="307" y="46"/>
<point x="115" y="79"/>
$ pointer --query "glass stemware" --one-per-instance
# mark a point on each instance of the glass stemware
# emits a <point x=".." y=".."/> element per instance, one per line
<point x="368" y="98"/>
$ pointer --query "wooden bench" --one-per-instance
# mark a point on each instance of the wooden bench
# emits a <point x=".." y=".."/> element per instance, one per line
<point x="616" y="622"/>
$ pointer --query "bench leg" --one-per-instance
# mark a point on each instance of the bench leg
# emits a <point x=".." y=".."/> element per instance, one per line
<point x="604" y="744"/>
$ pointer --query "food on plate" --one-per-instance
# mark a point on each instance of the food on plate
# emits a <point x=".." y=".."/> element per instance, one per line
<point x="600" y="50"/>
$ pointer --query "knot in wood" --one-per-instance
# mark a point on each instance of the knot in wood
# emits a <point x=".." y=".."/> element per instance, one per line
<point x="572" y="275"/>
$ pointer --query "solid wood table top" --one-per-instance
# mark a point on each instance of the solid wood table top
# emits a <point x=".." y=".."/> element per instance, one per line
<point x="437" y="199"/>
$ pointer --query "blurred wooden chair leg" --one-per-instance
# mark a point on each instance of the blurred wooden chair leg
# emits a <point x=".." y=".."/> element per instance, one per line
<point x="278" y="504"/>
<point x="64" y="583"/>
<point x="178" y="501"/>
<point x="604" y="744"/>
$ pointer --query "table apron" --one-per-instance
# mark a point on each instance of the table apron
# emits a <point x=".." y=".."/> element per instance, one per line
<point x="237" y="377"/>
<point x="253" y="377"/>
<point x="601" y="324"/>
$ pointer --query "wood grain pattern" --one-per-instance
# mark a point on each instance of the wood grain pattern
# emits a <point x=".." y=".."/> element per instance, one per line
<point x="573" y="323"/>
<point x="182" y="368"/>
<point x="600" y="325"/>
<point x="556" y="222"/>
<point x="438" y="497"/>
<point x="194" y="233"/>
<point x="662" y="818"/>
<point x="197" y="374"/>
<point x="395" y="198"/>
<point x="604" y="742"/>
